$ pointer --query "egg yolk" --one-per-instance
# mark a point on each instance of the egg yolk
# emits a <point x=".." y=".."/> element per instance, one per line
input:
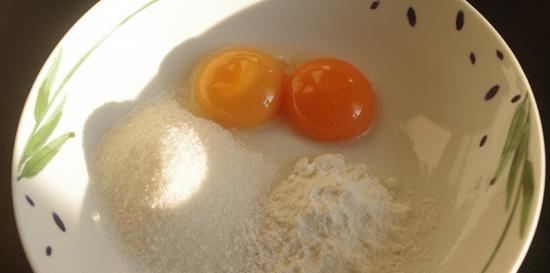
<point x="330" y="100"/>
<point x="239" y="87"/>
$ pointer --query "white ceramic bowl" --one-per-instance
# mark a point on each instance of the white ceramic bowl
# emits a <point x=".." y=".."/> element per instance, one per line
<point x="446" y="80"/>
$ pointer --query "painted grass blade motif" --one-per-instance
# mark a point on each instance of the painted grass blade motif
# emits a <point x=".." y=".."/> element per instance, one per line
<point x="35" y="155"/>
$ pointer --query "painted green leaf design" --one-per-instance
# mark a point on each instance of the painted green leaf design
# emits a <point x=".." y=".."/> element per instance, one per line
<point x="516" y="167"/>
<point x="38" y="139"/>
<point x="504" y="159"/>
<point x="503" y="234"/>
<point x="513" y="138"/>
<point x="88" y="53"/>
<point x="516" y="145"/>
<point x="35" y="156"/>
<point x="527" y="189"/>
<point x="516" y="127"/>
<point x="43" y="156"/>
<point x="42" y="99"/>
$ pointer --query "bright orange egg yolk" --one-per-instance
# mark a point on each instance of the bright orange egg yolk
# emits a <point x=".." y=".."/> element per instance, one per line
<point x="239" y="87"/>
<point x="330" y="100"/>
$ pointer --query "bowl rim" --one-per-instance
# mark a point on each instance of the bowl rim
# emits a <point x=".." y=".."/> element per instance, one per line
<point x="74" y="28"/>
<point x="540" y="176"/>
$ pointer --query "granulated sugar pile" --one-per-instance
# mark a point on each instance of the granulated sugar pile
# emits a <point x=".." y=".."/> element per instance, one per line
<point x="179" y="194"/>
<point x="176" y="189"/>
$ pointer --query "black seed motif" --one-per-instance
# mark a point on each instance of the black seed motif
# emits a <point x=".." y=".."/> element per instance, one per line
<point x="492" y="182"/>
<point x="375" y="5"/>
<point x="29" y="200"/>
<point x="58" y="222"/>
<point x="49" y="251"/>
<point x="472" y="57"/>
<point x="411" y="15"/>
<point x="515" y="99"/>
<point x="483" y="141"/>
<point x="492" y="92"/>
<point x="500" y="55"/>
<point x="459" y="20"/>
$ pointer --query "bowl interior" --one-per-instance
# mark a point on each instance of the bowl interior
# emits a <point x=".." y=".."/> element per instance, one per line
<point x="446" y="83"/>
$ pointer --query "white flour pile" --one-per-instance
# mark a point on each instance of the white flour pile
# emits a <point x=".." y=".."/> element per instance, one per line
<point x="332" y="217"/>
<point x="175" y="189"/>
<point x="179" y="194"/>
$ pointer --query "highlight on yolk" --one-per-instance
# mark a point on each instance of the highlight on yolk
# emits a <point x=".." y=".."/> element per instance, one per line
<point x="239" y="87"/>
<point x="328" y="99"/>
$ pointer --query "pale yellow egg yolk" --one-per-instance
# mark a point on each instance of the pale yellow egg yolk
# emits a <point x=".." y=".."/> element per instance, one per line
<point x="239" y="87"/>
